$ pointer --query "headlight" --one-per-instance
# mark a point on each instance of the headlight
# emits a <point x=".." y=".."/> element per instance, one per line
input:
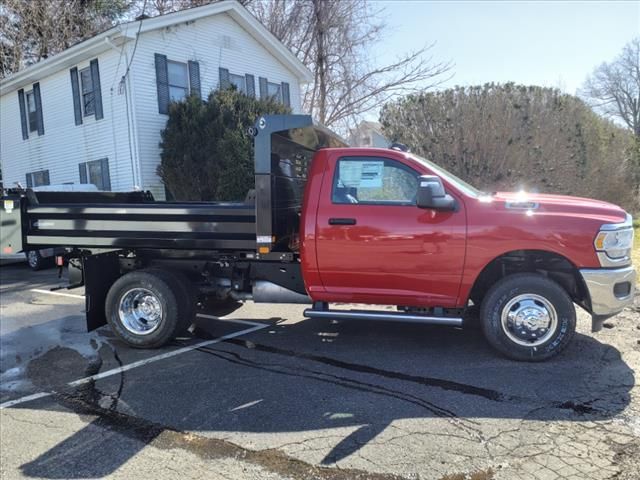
<point x="616" y="241"/>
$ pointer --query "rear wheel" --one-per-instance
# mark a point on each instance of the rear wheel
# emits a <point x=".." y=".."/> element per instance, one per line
<point x="36" y="261"/>
<point x="528" y="317"/>
<point x="148" y="308"/>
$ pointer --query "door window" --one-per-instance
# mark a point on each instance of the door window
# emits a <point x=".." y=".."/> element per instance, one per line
<point x="374" y="181"/>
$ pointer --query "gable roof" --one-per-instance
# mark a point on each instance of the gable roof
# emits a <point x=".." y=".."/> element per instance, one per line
<point x="116" y="36"/>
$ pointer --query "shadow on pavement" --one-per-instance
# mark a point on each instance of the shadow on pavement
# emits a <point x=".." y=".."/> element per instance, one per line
<point x="319" y="374"/>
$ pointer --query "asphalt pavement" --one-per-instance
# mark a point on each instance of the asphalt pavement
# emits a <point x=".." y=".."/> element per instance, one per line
<point x="257" y="391"/>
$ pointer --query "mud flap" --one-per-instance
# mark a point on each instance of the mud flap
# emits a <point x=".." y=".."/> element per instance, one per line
<point x="100" y="272"/>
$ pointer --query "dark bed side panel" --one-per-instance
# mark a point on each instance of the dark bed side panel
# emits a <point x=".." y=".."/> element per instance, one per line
<point x="160" y="225"/>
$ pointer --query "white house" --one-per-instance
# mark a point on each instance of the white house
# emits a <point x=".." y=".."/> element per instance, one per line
<point x="368" y="134"/>
<point x="94" y="112"/>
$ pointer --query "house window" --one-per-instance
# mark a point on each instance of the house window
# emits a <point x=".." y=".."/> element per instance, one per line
<point x="178" y="80"/>
<point x="88" y="95"/>
<point x="37" y="179"/>
<point x="239" y="81"/>
<point x="32" y="111"/>
<point x="97" y="173"/>
<point x="86" y="92"/>
<point x="274" y="90"/>
<point x="30" y="105"/>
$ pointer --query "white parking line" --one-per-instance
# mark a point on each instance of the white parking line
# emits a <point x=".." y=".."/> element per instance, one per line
<point x="140" y="363"/>
<point x="254" y="327"/>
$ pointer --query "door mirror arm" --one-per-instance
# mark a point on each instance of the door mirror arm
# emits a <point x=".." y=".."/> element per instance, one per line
<point x="431" y="194"/>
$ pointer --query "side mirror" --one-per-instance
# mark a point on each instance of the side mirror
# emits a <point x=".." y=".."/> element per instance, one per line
<point x="431" y="194"/>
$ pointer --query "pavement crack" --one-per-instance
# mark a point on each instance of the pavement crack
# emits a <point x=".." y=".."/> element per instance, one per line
<point x="167" y="438"/>
<point x="489" y="394"/>
<point x="348" y="383"/>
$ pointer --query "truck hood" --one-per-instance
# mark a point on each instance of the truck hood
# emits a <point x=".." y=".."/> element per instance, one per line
<point x="562" y="204"/>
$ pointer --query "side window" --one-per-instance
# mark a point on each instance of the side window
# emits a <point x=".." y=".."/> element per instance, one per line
<point x="175" y="80"/>
<point x="32" y="112"/>
<point x="280" y="92"/>
<point x="38" y="179"/>
<point x="86" y="92"/>
<point x="88" y="95"/>
<point x="239" y="81"/>
<point x="374" y="180"/>
<point x="97" y="173"/>
<point x="31" y="118"/>
<point x="178" y="80"/>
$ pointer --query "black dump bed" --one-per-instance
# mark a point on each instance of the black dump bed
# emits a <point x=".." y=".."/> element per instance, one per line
<point x="266" y="222"/>
<point x="112" y="220"/>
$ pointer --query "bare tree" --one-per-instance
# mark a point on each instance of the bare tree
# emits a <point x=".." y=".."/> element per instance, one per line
<point x="614" y="88"/>
<point x="33" y="30"/>
<point x="153" y="8"/>
<point x="336" y="39"/>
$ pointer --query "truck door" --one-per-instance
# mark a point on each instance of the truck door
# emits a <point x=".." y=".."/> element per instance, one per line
<point x="374" y="245"/>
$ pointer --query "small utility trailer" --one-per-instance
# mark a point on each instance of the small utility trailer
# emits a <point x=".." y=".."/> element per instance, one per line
<point x="144" y="261"/>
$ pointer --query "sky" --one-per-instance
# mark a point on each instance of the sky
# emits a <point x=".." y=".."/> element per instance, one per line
<point x="547" y="43"/>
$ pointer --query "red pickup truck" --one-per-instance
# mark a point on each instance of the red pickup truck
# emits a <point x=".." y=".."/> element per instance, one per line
<point x="330" y="224"/>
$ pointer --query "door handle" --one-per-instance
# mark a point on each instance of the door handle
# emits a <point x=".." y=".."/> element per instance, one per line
<point x="342" y="221"/>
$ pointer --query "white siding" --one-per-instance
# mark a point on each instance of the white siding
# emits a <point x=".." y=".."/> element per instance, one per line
<point x="215" y="41"/>
<point x="204" y="41"/>
<point x="64" y="144"/>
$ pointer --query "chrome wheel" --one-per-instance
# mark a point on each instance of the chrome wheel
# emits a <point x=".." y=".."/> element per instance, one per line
<point x="33" y="259"/>
<point x="140" y="311"/>
<point x="529" y="320"/>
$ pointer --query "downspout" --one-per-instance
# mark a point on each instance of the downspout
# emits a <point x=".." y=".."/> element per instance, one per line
<point x="132" y="128"/>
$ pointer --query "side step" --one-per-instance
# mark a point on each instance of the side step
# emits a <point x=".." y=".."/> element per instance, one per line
<point x="381" y="315"/>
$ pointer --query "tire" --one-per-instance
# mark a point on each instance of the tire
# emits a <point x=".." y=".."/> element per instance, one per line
<point x="36" y="261"/>
<point x="148" y="308"/>
<point x="180" y="283"/>
<point x="528" y="296"/>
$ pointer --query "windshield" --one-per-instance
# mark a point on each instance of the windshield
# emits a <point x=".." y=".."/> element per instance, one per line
<point x="460" y="184"/>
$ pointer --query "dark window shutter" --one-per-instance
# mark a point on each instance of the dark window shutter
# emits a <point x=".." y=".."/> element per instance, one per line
<point x="83" y="172"/>
<point x="36" y="95"/>
<point x="224" y="79"/>
<point x="162" y="83"/>
<point x="264" y="92"/>
<point x="106" y="179"/>
<point x="251" y="85"/>
<point x="46" y="177"/>
<point x="75" y="89"/>
<point x="29" y="181"/>
<point x="194" y="78"/>
<point x="23" y="116"/>
<point x="97" y="93"/>
<point x="285" y="94"/>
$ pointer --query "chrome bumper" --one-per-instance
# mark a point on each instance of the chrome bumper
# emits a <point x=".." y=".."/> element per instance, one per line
<point x="610" y="291"/>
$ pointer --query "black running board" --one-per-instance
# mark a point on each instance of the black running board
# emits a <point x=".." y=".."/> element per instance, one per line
<point x="383" y="316"/>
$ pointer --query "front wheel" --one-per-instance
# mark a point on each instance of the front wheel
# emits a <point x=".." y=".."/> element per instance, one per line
<point x="528" y="317"/>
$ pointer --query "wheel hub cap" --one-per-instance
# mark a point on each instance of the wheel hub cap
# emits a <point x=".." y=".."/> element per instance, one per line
<point x="32" y="258"/>
<point x="529" y="320"/>
<point x="140" y="311"/>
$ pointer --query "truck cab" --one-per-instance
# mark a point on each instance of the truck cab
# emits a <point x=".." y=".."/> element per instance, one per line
<point x="382" y="226"/>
